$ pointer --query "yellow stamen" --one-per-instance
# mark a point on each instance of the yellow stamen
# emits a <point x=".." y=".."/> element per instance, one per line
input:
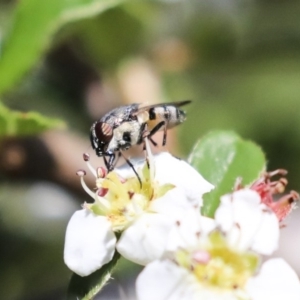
<point x="223" y="268"/>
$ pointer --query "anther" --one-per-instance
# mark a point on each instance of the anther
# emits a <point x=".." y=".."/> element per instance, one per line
<point x="81" y="173"/>
<point x="101" y="172"/>
<point x="201" y="257"/>
<point x="294" y="195"/>
<point x="284" y="205"/>
<point x="86" y="157"/>
<point x="102" y="192"/>
<point x="279" y="188"/>
<point x="281" y="172"/>
<point x="283" y="181"/>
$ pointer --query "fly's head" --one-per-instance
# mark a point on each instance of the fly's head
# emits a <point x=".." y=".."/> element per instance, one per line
<point x="101" y="134"/>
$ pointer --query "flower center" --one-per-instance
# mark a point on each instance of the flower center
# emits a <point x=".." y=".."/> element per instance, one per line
<point x="123" y="199"/>
<point x="217" y="266"/>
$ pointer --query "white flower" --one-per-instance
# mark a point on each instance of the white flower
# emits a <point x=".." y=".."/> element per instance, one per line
<point x="248" y="223"/>
<point x="141" y="214"/>
<point x="210" y="260"/>
<point x="165" y="280"/>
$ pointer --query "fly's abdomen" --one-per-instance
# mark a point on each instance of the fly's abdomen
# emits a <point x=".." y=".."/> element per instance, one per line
<point x="176" y="116"/>
<point x="171" y="114"/>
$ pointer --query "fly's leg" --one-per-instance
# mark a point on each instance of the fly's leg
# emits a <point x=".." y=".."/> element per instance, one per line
<point x="105" y="162"/>
<point x="157" y="128"/>
<point x="145" y="134"/>
<point x="149" y="134"/>
<point x="153" y="142"/>
<point x="132" y="167"/>
<point x="117" y="159"/>
<point x="165" y="135"/>
<point x="110" y="163"/>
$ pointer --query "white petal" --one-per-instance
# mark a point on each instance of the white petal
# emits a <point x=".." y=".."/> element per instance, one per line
<point x="186" y="219"/>
<point x="207" y="224"/>
<point x="267" y="237"/>
<point x="89" y="243"/>
<point x="173" y="203"/>
<point x="189" y="230"/>
<point x="145" y="239"/>
<point x="169" y="169"/>
<point x="247" y="222"/>
<point x="276" y="281"/>
<point x="235" y="206"/>
<point x="164" y="280"/>
<point x="186" y="232"/>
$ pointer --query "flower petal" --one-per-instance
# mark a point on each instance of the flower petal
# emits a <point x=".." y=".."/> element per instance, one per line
<point x="276" y="281"/>
<point x="164" y="280"/>
<point x="173" y="203"/>
<point x="89" y="243"/>
<point x="266" y="238"/>
<point x="235" y="206"/>
<point x="145" y="239"/>
<point x="247" y="222"/>
<point x="169" y="169"/>
<point x="189" y="230"/>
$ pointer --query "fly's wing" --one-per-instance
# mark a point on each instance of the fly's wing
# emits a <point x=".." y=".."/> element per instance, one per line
<point x="120" y="115"/>
<point x="148" y="107"/>
<point x="155" y="114"/>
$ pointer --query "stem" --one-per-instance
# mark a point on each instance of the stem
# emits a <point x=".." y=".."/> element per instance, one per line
<point x="86" y="288"/>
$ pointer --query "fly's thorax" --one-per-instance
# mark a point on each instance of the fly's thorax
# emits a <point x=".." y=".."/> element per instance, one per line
<point x="125" y="135"/>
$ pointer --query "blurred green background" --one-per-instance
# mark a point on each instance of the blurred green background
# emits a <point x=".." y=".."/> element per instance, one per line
<point x="74" y="60"/>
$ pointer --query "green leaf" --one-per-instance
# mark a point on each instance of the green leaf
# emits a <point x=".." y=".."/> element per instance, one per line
<point x="35" y="23"/>
<point x="13" y="123"/>
<point x="85" y="288"/>
<point x="221" y="157"/>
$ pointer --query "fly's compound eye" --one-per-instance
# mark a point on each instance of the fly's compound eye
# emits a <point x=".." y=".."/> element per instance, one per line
<point x="103" y="132"/>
